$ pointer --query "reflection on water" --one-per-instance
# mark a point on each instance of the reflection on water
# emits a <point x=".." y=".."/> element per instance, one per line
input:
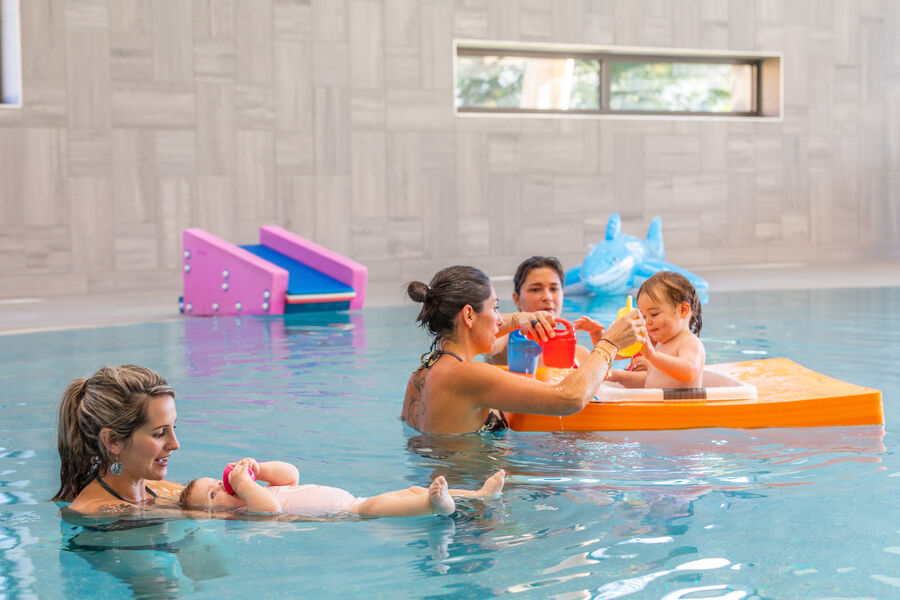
<point x="459" y="458"/>
<point x="154" y="558"/>
<point x="640" y="507"/>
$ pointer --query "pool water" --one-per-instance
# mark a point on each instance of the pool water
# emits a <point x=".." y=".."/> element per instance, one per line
<point x="713" y="513"/>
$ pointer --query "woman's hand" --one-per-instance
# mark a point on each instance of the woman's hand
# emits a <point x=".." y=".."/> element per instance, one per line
<point x="250" y="463"/>
<point x="628" y="330"/>
<point x="539" y="324"/>
<point x="595" y="328"/>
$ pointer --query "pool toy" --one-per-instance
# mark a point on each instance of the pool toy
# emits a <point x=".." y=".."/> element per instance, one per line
<point x="283" y="273"/>
<point x="522" y="353"/>
<point x="772" y="392"/>
<point x="559" y="351"/>
<point x="227" y="484"/>
<point x="633" y="349"/>
<point x="622" y="262"/>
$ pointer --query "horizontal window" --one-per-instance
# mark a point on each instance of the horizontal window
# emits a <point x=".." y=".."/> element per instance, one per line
<point x="524" y="80"/>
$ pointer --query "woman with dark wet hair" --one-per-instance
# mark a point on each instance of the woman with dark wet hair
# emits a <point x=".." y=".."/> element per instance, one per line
<point x="451" y="393"/>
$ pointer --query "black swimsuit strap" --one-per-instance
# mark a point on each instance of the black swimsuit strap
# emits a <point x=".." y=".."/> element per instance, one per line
<point x="106" y="487"/>
<point x="429" y="358"/>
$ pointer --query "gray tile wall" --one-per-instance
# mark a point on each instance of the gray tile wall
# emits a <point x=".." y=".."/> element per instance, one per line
<point x="334" y="119"/>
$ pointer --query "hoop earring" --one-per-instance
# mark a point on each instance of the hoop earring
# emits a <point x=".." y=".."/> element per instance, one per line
<point x="117" y="468"/>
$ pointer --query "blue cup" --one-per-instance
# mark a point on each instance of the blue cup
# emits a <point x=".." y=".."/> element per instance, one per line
<point x="521" y="353"/>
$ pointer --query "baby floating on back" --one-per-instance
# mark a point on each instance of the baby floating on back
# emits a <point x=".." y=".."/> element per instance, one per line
<point x="239" y="490"/>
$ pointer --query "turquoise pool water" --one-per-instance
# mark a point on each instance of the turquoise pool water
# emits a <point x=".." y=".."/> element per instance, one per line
<point x="715" y="513"/>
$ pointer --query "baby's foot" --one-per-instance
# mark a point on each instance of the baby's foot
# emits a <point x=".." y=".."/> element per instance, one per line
<point x="441" y="501"/>
<point x="493" y="485"/>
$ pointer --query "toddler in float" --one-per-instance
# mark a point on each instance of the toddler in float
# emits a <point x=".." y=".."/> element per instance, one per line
<point x="674" y="356"/>
<point x="238" y="489"/>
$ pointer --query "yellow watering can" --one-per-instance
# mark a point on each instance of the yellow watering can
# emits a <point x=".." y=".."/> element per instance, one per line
<point x="635" y="347"/>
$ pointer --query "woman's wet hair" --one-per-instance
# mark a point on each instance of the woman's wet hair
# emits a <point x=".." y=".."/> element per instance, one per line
<point x="674" y="288"/>
<point x="449" y="291"/>
<point x="537" y="262"/>
<point x="114" y="398"/>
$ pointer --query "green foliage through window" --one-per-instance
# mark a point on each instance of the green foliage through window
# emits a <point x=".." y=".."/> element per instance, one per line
<point x="674" y="86"/>
<point x="518" y="82"/>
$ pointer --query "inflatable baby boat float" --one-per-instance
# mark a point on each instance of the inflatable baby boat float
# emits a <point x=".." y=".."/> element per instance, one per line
<point x="772" y="392"/>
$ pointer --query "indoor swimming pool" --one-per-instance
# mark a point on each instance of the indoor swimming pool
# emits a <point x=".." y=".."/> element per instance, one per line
<point x="709" y="513"/>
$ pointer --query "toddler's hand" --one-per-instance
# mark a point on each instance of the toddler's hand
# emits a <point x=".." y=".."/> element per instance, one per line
<point x="595" y="328"/>
<point x="239" y="476"/>
<point x="639" y="363"/>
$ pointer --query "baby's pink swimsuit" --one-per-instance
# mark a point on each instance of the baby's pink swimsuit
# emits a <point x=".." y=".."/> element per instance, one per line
<point x="313" y="500"/>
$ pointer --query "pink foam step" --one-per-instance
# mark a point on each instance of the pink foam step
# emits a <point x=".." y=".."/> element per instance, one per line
<point x="223" y="279"/>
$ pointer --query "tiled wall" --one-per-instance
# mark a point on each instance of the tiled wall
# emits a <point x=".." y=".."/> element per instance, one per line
<point x="334" y="119"/>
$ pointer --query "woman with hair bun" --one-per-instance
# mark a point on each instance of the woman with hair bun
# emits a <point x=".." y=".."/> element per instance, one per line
<point x="115" y="435"/>
<point x="451" y="393"/>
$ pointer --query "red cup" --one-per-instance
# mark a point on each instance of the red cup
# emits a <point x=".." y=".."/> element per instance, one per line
<point x="226" y="484"/>
<point x="559" y="352"/>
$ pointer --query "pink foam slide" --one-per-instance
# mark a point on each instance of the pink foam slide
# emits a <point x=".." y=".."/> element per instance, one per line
<point x="223" y="279"/>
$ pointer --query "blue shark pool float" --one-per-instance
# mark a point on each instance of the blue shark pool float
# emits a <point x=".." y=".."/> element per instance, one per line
<point x="621" y="262"/>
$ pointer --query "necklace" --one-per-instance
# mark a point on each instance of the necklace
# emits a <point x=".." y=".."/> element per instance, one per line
<point x="106" y="487"/>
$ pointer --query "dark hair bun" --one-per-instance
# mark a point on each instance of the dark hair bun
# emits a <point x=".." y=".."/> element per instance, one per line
<point x="449" y="291"/>
<point x="417" y="291"/>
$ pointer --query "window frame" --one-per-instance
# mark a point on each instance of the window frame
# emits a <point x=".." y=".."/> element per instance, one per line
<point x="10" y="54"/>
<point x="762" y="79"/>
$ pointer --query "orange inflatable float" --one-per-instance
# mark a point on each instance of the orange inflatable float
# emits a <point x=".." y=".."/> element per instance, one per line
<point x="772" y="392"/>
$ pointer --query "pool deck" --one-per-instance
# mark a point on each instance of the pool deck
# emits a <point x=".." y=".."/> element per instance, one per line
<point x="27" y="315"/>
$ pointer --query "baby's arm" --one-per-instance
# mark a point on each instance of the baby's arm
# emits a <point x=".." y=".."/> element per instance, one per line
<point x="595" y="328"/>
<point x="276" y="472"/>
<point x="685" y="365"/>
<point x="628" y="379"/>
<point x="256" y="497"/>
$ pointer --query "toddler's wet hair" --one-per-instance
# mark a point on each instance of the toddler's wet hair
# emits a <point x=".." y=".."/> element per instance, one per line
<point x="675" y="288"/>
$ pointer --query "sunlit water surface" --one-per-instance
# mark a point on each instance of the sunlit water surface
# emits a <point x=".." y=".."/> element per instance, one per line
<point x="713" y="513"/>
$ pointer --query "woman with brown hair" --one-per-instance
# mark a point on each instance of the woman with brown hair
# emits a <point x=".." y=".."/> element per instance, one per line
<point x="115" y="435"/>
<point x="451" y="393"/>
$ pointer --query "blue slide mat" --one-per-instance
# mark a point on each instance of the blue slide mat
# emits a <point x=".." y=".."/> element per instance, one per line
<point x="301" y="278"/>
